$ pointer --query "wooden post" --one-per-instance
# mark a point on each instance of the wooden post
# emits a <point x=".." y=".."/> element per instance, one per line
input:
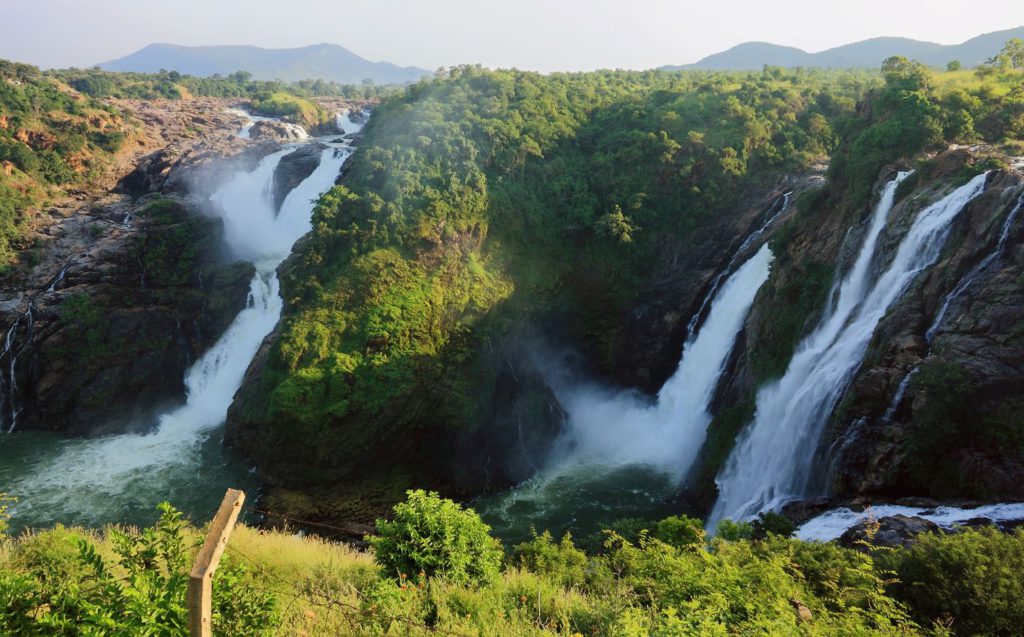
<point x="200" y="580"/>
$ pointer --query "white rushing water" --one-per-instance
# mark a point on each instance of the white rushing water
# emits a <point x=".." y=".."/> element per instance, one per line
<point x="621" y="429"/>
<point x="962" y="286"/>
<point x="772" y="461"/>
<point x="781" y="206"/>
<point x="86" y="480"/>
<point x="621" y="455"/>
<point x="345" y="123"/>
<point x="832" y="524"/>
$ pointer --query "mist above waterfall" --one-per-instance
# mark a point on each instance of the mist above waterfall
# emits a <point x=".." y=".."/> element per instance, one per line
<point x="624" y="428"/>
<point x="622" y="454"/>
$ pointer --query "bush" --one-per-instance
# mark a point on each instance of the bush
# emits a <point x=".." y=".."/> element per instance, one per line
<point x="734" y="531"/>
<point x="680" y="531"/>
<point x="437" y="537"/>
<point x="973" y="580"/>
<point x="141" y="592"/>
<point x="560" y="561"/>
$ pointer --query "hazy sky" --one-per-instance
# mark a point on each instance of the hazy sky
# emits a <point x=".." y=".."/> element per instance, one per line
<point x="544" y="35"/>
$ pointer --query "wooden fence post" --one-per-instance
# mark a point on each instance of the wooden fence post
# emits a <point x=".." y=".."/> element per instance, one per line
<point x="200" y="580"/>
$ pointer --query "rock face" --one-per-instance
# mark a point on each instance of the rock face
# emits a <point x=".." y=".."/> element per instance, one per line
<point x="293" y="170"/>
<point x="949" y="434"/>
<point x="895" y="530"/>
<point x="193" y="168"/>
<point x="115" y="328"/>
<point x="123" y="291"/>
<point x="954" y="432"/>
<point x="281" y="132"/>
<point x="647" y="353"/>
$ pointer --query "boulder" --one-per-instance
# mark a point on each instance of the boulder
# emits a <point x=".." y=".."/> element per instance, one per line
<point x="293" y="169"/>
<point x="894" y="530"/>
<point x="281" y="132"/>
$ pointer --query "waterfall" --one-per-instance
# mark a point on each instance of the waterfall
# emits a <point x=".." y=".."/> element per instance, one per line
<point x="96" y="480"/>
<point x="622" y="456"/>
<point x="345" y="123"/>
<point x="972" y="275"/>
<point x="9" y="409"/>
<point x="57" y="279"/>
<point x="780" y="207"/>
<point x="772" y="461"/>
<point x="965" y="282"/>
<point x="619" y="429"/>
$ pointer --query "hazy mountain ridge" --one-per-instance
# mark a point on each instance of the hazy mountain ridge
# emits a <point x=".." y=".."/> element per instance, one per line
<point x="866" y="53"/>
<point x="321" y="61"/>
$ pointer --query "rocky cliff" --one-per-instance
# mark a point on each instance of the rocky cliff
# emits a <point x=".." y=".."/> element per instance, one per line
<point x="124" y="288"/>
<point x="951" y="430"/>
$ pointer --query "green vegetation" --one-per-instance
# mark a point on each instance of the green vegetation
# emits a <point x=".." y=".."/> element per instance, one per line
<point x="948" y="420"/>
<point x="485" y="198"/>
<point x="69" y="582"/>
<point x="969" y="581"/>
<point x="919" y="108"/>
<point x="48" y="137"/>
<point x="436" y="537"/>
<point x="173" y="85"/>
<point x="175" y="246"/>
<point x="291" y="108"/>
<point x="672" y="581"/>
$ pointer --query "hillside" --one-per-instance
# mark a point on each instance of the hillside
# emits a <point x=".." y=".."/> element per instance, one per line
<point x="328" y="62"/>
<point x="864" y="54"/>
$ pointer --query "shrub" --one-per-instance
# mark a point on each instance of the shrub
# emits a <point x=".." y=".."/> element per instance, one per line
<point x="680" y="531"/>
<point x="5" y="517"/>
<point x="437" y="537"/>
<point x="560" y="561"/>
<point x="734" y="531"/>
<point x="973" y="580"/>
<point x="141" y="592"/>
<point x="771" y="523"/>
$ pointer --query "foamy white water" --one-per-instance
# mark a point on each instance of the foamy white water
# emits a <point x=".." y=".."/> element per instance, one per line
<point x="622" y="456"/>
<point x="622" y="429"/>
<point x="89" y="480"/>
<point x="345" y="123"/>
<point x="832" y="524"/>
<point x="773" y="459"/>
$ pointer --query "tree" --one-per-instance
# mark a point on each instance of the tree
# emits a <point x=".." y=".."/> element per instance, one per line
<point x="1011" y="56"/>
<point x="899" y="72"/>
<point x="954" y="65"/>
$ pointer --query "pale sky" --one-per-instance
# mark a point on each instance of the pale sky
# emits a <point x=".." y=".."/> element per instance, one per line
<point x="544" y="35"/>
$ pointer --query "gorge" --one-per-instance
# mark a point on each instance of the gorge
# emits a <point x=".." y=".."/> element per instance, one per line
<point x="696" y="295"/>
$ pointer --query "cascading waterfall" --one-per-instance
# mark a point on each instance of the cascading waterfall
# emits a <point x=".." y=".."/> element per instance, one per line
<point x="622" y="430"/>
<point x="962" y="285"/>
<point x="98" y="480"/>
<point x="781" y="206"/>
<point x="621" y="456"/>
<point x="972" y="275"/>
<point x="9" y="409"/>
<point x="772" y="461"/>
<point x="344" y="122"/>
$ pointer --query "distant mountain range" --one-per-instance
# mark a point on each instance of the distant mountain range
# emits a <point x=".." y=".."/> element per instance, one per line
<point x="866" y="54"/>
<point x="321" y="61"/>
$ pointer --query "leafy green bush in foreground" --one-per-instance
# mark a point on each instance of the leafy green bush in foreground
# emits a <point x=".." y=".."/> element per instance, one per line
<point x="436" y="570"/>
